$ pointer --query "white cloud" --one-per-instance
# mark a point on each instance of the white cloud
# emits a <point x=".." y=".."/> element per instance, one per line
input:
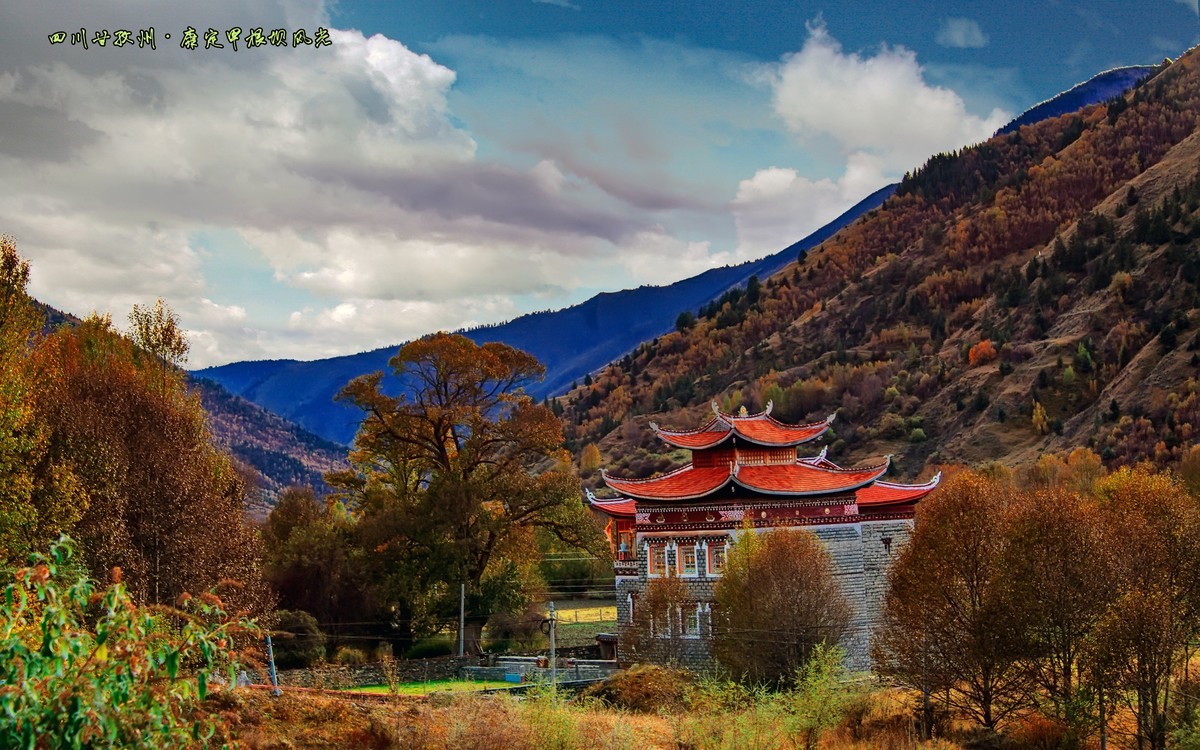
<point x="559" y="3"/>
<point x="778" y="206"/>
<point x="1194" y="5"/>
<point x="653" y="256"/>
<point x="353" y="177"/>
<point x="963" y="33"/>
<point x="879" y="104"/>
<point x="345" y="262"/>
<point x="344" y="168"/>
<point x="378" y="323"/>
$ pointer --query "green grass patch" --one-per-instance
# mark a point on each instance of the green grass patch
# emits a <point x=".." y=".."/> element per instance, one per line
<point x="583" y="633"/>
<point x="434" y="686"/>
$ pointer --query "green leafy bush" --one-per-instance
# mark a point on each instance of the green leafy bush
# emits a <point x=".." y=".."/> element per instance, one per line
<point x="83" y="667"/>
<point x="350" y="657"/>
<point x="430" y="647"/>
<point x="299" y="642"/>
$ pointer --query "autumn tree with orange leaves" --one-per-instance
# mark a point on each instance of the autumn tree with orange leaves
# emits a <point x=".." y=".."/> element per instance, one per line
<point x="949" y="626"/>
<point x="465" y="467"/>
<point x="99" y="438"/>
<point x="1078" y="595"/>
<point x="162" y="502"/>
<point x="778" y="599"/>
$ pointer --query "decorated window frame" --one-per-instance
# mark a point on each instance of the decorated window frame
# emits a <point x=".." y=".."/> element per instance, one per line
<point x="687" y="558"/>
<point x="689" y="620"/>
<point x="656" y="559"/>
<point x="717" y="550"/>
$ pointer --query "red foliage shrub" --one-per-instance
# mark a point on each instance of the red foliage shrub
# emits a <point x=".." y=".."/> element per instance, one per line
<point x="982" y="353"/>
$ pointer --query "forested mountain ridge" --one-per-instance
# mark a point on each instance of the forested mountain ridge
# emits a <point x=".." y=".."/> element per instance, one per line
<point x="1098" y="88"/>
<point x="279" y="453"/>
<point x="1036" y="292"/>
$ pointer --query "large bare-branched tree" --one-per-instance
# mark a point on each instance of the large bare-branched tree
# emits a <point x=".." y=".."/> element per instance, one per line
<point x="660" y="618"/>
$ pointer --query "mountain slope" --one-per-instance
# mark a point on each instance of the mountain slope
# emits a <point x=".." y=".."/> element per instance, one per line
<point x="1038" y="292"/>
<point x="279" y="452"/>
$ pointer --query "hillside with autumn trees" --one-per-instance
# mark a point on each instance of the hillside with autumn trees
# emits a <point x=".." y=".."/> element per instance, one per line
<point x="1034" y="293"/>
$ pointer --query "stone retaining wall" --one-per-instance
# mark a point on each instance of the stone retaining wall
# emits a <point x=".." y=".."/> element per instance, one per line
<point x="338" y="676"/>
<point x="533" y="673"/>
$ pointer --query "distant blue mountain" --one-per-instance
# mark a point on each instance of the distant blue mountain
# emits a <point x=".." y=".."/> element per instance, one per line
<point x="583" y="338"/>
<point x="1100" y="88"/>
<point x="571" y="342"/>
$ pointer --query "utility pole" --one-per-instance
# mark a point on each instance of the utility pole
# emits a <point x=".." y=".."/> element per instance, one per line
<point x="274" y="676"/>
<point x="553" y="654"/>
<point x="462" y="614"/>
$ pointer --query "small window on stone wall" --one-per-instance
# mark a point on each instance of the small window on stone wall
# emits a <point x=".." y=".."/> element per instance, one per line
<point x="658" y="559"/>
<point x="689" y="620"/>
<point x="716" y="558"/>
<point x="687" y="560"/>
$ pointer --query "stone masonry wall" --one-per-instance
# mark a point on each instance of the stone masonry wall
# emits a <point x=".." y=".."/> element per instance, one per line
<point x="861" y="560"/>
<point x="845" y="547"/>
<point x="881" y="542"/>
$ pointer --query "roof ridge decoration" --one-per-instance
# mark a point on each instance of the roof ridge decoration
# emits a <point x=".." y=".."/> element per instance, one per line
<point x="881" y="494"/>
<point x="721" y="417"/>
<point x="887" y="461"/>
<point x="932" y="482"/>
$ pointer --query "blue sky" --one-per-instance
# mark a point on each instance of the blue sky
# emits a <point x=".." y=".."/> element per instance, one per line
<point x="450" y="163"/>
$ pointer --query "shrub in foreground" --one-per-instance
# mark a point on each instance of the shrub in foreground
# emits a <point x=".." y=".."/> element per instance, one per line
<point x="82" y="667"/>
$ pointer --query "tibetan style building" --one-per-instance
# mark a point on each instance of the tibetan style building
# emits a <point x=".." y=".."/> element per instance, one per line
<point x="747" y="472"/>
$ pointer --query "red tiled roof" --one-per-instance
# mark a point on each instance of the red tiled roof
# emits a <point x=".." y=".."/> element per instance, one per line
<point x="805" y="478"/>
<point x="682" y="484"/>
<point x="759" y="428"/>
<point x="888" y="493"/>
<point x="712" y="433"/>
<point x="620" y="506"/>
<point x="795" y="479"/>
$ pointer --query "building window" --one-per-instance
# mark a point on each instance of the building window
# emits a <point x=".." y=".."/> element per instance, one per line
<point x="687" y="560"/>
<point x="689" y="621"/>
<point x="658" y="559"/>
<point x="716" y="558"/>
